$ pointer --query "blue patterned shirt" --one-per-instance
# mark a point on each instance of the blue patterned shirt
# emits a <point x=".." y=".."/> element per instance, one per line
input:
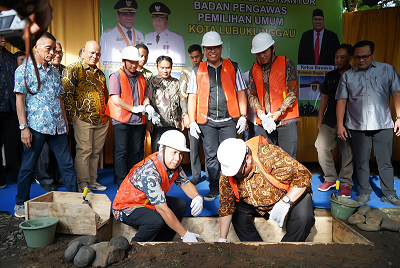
<point x="8" y="64"/>
<point x="43" y="110"/>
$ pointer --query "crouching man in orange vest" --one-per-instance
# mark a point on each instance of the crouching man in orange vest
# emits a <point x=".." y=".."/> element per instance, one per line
<point x="141" y="200"/>
<point x="273" y="93"/>
<point x="260" y="179"/>
<point x="216" y="100"/>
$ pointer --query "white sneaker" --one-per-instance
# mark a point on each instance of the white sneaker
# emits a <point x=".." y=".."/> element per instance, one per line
<point x="97" y="187"/>
<point x="19" y="211"/>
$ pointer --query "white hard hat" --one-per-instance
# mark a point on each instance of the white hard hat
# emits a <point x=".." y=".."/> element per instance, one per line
<point x="130" y="53"/>
<point x="174" y="139"/>
<point x="211" y="39"/>
<point x="261" y="42"/>
<point x="231" y="153"/>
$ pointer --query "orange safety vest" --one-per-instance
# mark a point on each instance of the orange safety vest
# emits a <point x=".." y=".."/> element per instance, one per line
<point x="118" y="113"/>
<point x="129" y="196"/>
<point x="228" y="78"/>
<point x="254" y="145"/>
<point x="277" y="88"/>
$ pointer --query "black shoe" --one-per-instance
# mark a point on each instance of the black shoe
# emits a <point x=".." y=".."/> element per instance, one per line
<point x="48" y="187"/>
<point x="211" y="195"/>
<point x="195" y="180"/>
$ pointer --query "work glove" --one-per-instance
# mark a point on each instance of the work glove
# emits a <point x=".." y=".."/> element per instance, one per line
<point x="139" y="109"/>
<point x="155" y="119"/>
<point x="279" y="212"/>
<point x="268" y="123"/>
<point x="190" y="237"/>
<point x="194" y="130"/>
<point x="152" y="114"/>
<point x="241" y="125"/>
<point x="223" y="240"/>
<point x="196" y="205"/>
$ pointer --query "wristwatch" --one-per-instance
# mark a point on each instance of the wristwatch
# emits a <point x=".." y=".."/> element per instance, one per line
<point x="287" y="200"/>
<point x="281" y="111"/>
<point x="22" y="127"/>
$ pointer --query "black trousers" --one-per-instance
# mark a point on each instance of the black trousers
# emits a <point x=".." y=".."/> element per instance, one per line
<point x="152" y="226"/>
<point x="195" y="162"/>
<point x="299" y="222"/>
<point x="10" y="136"/>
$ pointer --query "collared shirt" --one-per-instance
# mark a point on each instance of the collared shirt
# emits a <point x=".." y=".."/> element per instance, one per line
<point x="239" y="83"/>
<point x="368" y="96"/>
<point x="146" y="73"/>
<point x="256" y="190"/>
<point x="8" y="64"/>
<point x="148" y="180"/>
<point x="86" y="93"/>
<point x="321" y="35"/>
<point x="291" y="97"/>
<point x="43" y="110"/>
<point x="183" y="85"/>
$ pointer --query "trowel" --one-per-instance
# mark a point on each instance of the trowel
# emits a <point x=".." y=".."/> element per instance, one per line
<point x="85" y="191"/>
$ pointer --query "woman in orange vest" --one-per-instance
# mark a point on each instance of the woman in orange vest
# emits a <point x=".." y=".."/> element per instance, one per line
<point x="166" y="98"/>
<point x="127" y="106"/>
<point x="273" y="94"/>
<point x="141" y="200"/>
<point x="260" y="179"/>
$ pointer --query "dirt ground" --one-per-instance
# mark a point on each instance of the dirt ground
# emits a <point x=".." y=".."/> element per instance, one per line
<point x="384" y="253"/>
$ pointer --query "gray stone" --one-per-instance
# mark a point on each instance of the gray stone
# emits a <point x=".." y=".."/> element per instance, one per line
<point x="356" y="218"/>
<point x="84" y="256"/>
<point x="390" y="225"/>
<point x="373" y="218"/>
<point x="363" y="210"/>
<point x="86" y="240"/>
<point x="107" y="256"/>
<point x="383" y="214"/>
<point x="119" y="242"/>
<point x="99" y="246"/>
<point x="368" y="228"/>
<point x="71" y="251"/>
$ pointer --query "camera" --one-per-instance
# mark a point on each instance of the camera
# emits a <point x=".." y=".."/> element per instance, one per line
<point x="10" y="24"/>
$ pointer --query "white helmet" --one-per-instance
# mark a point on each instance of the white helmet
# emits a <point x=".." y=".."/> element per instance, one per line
<point x="174" y="139"/>
<point x="211" y="39"/>
<point x="261" y="42"/>
<point x="130" y="53"/>
<point x="231" y="153"/>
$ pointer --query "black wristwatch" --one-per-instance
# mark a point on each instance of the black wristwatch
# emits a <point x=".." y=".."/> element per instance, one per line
<point x="287" y="200"/>
<point x="281" y="111"/>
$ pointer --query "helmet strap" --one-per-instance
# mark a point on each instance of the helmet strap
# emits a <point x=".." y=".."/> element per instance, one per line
<point x="163" y="159"/>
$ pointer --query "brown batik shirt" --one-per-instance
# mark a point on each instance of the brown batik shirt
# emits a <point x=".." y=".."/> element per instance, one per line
<point x="256" y="190"/>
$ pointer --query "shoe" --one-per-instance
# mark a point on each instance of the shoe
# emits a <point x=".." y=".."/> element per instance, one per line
<point x="48" y="187"/>
<point x="195" y="181"/>
<point x="391" y="199"/>
<point x="19" y="211"/>
<point x="345" y="191"/>
<point x="211" y="195"/>
<point x="97" y="187"/>
<point x="326" y="186"/>
<point x="3" y="186"/>
<point x="363" y="199"/>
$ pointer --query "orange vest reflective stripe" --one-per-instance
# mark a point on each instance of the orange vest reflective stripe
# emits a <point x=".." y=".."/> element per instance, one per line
<point x="129" y="196"/>
<point x="228" y="78"/>
<point x="277" y="88"/>
<point x="118" y="113"/>
<point x="254" y="145"/>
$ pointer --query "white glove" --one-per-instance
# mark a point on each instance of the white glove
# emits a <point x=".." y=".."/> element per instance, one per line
<point x="155" y="119"/>
<point x="223" y="240"/>
<point x="196" y="205"/>
<point x="241" y="125"/>
<point x="279" y="212"/>
<point x="268" y="123"/>
<point x="152" y="114"/>
<point x="194" y="130"/>
<point x="190" y="237"/>
<point x="149" y="110"/>
<point x="139" y="109"/>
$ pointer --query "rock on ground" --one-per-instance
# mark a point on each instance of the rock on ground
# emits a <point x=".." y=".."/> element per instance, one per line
<point x="71" y="251"/>
<point x="84" y="256"/>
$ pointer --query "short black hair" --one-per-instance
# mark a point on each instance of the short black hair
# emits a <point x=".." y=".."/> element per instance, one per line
<point x="48" y="35"/>
<point x="19" y="54"/>
<point x="348" y="47"/>
<point x="365" y="43"/>
<point x="142" y="46"/>
<point x="195" y="47"/>
<point x="161" y="58"/>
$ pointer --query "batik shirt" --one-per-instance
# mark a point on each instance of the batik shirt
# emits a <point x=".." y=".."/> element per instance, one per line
<point x="8" y="64"/>
<point x="43" y="110"/>
<point x="147" y="179"/>
<point x="256" y="190"/>
<point x="86" y="93"/>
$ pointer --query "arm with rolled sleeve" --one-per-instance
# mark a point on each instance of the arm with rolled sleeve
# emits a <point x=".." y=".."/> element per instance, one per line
<point x="227" y="206"/>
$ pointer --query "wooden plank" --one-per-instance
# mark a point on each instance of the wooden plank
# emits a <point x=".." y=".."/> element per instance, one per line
<point x="345" y="234"/>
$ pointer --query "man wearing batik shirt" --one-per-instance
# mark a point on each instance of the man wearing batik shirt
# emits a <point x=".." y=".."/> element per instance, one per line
<point x="260" y="179"/>
<point x="85" y="102"/>
<point x="42" y="118"/>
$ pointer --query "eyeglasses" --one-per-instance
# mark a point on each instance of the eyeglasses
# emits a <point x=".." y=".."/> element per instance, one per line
<point x="364" y="57"/>
<point x="216" y="49"/>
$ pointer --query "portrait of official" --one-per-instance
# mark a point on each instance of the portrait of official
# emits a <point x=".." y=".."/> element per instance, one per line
<point x="162" y="41"/>
<point x="114" y="40"/>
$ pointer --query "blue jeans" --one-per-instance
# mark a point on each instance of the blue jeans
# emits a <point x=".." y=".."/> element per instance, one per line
<point x="59" y="145"/>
